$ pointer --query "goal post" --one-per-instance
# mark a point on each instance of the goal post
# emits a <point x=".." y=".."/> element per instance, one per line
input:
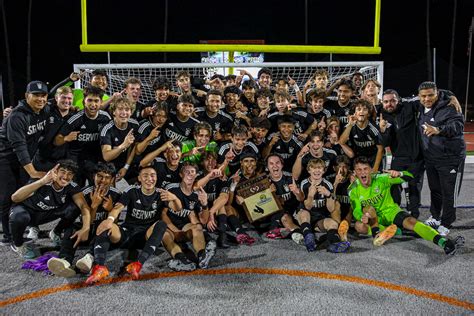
<point x="299" y="71"/>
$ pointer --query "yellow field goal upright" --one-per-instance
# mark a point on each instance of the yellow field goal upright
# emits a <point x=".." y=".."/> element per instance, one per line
<point x="321" y="49"/>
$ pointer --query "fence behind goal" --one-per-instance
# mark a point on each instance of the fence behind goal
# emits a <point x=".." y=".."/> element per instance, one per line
<point x="300" y="71"/>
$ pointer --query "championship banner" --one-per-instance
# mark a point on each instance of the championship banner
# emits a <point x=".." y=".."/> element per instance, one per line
<point x="259" y="200"/>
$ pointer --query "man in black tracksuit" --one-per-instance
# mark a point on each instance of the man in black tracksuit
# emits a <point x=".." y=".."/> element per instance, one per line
<point x="19" y="137"/>
<point x="444" y="149"/>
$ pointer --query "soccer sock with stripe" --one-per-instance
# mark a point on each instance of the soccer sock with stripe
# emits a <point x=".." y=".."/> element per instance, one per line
<point x="153" y="242"/>
<point x="428" y="233"/>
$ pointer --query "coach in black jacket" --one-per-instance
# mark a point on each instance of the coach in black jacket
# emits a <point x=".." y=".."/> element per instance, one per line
<point x="19" y="138"/>
<point x="444" y="150"/>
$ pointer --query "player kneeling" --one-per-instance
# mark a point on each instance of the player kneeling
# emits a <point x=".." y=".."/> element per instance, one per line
<point x="374" y="208"/>
<point x="142" y="226"/>
<point x="183" y="222"/>
<point x="318" y="206"/>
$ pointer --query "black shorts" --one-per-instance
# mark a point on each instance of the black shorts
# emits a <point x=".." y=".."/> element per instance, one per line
<point x="132" y="236"/>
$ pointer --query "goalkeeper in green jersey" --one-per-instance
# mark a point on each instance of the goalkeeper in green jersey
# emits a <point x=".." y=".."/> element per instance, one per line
<point x="373" y="208"/>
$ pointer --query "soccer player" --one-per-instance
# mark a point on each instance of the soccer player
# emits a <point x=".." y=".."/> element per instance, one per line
<point x="342" y="106"/>
<point x="259" y="128"/>
<point x="150" y="135"/>
<point x="133" y="90"/>
<point x="284" y="142"/>
<point x="264" y="77"/>
<point x="373" y="207"/>
<point x="183" y="222"/>
<point x="142" y="227"/>
<point x="316" y="106"/>
<point x="84" y="143"/>
<point x="316" y="210"/>
<point x="193" y="149"/>
<point x="342" y="180"/>
<point x="363" y="135"/>
<point x="444" y="149"/>
<point x="46" y="200"/>
<point x="181" y="126"/>
<point x="214" y="182"/>
<point x="163" y="93"/>
<point x="314" y="149"/>
<point x="168" y="168"/>
<point x="248" y="94"/>
<point x="19" y="137"/>
<point x="101" y="198"/>
<point x="238" y="145"/>
<point x="287" y="191"/>
<point x="117" y="137"/>
<point x="220" y="121"/>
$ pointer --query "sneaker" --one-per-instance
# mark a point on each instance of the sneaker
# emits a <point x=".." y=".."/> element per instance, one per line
<point x="452" y="246"/>
<point x="61" y="268"/>
<point x="385" y="235"/>
<point x="274" y="234"/>
<point x="26" y="251"/>
<point x="339" y="247"/>
<point x="134" y="269"/>
<point x="245" y="239"/>
<point x="310" y="242"/>
<point x="33" y="233"/>
<point x="443" y="231"/>
<point x="433" y="222"/>
<point x="85" y="263"/>
<point x="343" y="229"/>
<point x="209" y="253"/>
<point x="5" y="241"/>
<point x="298" y="238"/>
<point x="178" y="265"/>
<point x="55" y="238"/>
<point x="98" y="273"/>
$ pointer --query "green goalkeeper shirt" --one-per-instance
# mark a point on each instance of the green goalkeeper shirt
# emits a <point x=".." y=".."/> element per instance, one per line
<point x="376" y="195"/>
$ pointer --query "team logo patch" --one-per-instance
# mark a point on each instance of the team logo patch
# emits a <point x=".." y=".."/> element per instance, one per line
<point x="192" y="204"/>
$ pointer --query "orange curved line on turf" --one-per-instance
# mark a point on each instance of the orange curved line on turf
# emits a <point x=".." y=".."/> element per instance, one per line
<point x="293" y="273"/>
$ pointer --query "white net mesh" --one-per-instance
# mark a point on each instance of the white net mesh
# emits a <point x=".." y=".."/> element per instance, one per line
<point x="147" y="73"/>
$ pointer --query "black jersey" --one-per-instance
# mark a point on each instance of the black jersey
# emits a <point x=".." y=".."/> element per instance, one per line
<point x="101" y="213"/>
<point x="144" y="129"/>
<point x="215" y="187"/>
<point x="222" y="122"/>
<point x="190" y="204"/>
<point x="46" y="148"/>
<point x="137" y="114"/>
<point x="164" y="174"/>
<point x="142" y="209"/>
<point x="342" y="196"/>
<point x="301" y="118"/>
<point x="364" y="141"/>
<point x="21" y="132"/>
<point x="290" y="203"/>
<point x="236" y="121"/>
<point x="324" y="114"/>
<point x="234" y="165"/>
<point x="114" y="136"/>
<point x="47" y="198"/>
<point x="329" y="158"/>
<point x="288" y="150"/>
<point x="319" y="203"/>
<point x="178" y="130"/>
<point x="341" y="112"/>
<point x="87" y="145"/>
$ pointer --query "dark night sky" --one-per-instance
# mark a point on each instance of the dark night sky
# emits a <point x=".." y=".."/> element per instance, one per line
<point x="56" y="33"/>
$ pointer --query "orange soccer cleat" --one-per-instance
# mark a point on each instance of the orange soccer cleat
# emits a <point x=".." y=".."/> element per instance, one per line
<point x="98" y="273"/>
<point x="342" y="230"/>
<point x="385" y="235"/>
<point x="134" y="269"/>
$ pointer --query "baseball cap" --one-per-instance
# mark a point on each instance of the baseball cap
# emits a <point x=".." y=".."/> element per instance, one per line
<point x="247" y="154"/>
<point x="37" y="87"/>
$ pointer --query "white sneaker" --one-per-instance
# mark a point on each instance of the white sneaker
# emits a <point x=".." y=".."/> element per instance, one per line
<point x="443" y="231"/>
<point x="61" y="268"/>
<point x="33" y="233"/>
<point x="54" y="238"/>
<point x="298" y="238"/>
<point x="85" y="263"/>
<point x="433" y="222"/>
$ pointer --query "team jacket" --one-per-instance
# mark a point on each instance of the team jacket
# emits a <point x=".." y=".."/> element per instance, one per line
<point x="21" y="132"/>
<point x="449" y="143"/>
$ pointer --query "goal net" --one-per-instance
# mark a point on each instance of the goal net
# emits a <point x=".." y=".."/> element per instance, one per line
<point x="147" y="73"/>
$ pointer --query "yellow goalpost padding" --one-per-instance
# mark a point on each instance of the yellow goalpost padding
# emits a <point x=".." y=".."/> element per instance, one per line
<point x="86" y="47"/>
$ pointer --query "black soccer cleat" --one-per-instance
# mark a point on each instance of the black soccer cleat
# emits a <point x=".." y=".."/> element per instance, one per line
<point x="452" y="246"/>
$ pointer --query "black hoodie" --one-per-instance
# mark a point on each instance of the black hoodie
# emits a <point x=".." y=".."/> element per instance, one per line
<point x="21" y="132"/>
